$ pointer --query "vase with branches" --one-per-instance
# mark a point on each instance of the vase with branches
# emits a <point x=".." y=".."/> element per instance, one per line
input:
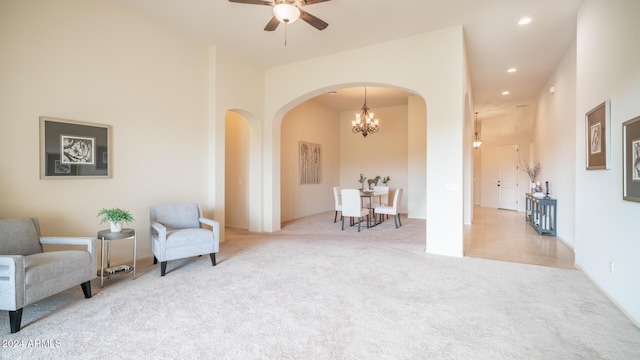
<point x="532" y="170"/>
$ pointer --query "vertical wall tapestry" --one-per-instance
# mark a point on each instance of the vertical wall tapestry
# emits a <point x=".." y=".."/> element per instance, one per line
<point x="309" y="161"/>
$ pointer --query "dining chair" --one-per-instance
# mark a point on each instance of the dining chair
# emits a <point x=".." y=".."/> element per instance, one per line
<point x="382" y="193"/>
<point x="337" y="199"/>
<point x="352" y="207"/>
<point x="391" y="210"/>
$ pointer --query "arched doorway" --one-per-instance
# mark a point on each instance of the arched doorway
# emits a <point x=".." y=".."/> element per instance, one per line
<point x="397" y="150"/>
<point x="242" y="171"/>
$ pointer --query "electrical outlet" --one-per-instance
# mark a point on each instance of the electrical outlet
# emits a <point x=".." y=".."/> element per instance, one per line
<point x="611" y="267"/>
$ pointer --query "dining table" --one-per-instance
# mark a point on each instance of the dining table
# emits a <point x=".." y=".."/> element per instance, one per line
<point x="370" y="194"/>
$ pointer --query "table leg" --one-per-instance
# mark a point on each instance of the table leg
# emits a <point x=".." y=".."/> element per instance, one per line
<point x="135" y="248"/>
<point x="109" y="254"/>
<point x="102" y="264"/>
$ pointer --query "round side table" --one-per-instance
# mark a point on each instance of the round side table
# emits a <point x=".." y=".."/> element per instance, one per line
<point x="108" y="236"/>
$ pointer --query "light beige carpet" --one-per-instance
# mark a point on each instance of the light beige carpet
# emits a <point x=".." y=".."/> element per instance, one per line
<point x="312" y="291"/>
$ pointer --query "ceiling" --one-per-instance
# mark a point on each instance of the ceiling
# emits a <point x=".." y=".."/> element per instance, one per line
<point x="494" y="40"/>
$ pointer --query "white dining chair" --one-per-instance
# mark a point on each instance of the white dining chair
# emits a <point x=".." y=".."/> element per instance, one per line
<point x="391" y="210"/>
<point x="352" y="207"/>
<point x="381" y="193"/>
<point x="337" y="198"/>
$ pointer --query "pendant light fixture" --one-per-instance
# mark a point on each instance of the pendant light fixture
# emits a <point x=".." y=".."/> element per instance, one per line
<point x="476" y="140"/>
<point x="364" y="122"/>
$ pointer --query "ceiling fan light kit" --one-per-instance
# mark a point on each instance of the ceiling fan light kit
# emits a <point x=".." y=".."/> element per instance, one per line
<point x="286" y="13"/>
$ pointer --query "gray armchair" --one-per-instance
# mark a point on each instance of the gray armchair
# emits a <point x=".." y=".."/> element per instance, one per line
<point x="27" y="274"/>
<point x="177" y="232"/>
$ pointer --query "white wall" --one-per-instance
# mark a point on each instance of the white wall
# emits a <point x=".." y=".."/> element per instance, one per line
<point x="95" y="61"/>
<point x="554" y="120"/>
<point x="236" y="85"/>
<point x="313" y="123"/>
<point x="607" y="56"/>
<point x="417" y="161"/>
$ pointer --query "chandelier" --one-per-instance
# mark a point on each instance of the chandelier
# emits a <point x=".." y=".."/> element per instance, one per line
<point x="476" y="140"/>
<point x="364" y="122"/>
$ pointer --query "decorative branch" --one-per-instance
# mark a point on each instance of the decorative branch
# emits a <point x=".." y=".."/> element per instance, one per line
<point x="532" y="170"/>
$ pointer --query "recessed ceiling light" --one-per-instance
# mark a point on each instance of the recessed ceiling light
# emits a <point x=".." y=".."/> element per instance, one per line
<point x="512" y="70"/>
<point x="524" y="21"/>
<point x="505" y="93"/>
<point x="333" y="92"/>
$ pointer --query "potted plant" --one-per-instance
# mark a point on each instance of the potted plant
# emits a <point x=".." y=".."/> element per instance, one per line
<point x="361" y="181"/>
<point x="115" y="217"/>
<point x="386" y="179"/>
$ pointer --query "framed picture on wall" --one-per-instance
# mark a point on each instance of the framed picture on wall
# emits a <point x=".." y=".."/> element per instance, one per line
<point x="631" y="159"/>
<point x="597" y="129"/>
<point x="73" y="149"/>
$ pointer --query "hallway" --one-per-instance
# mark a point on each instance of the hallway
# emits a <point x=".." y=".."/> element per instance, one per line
<point x="505" y="235"/>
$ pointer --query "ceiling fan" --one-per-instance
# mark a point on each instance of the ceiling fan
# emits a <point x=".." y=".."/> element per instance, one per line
<point x="288" y="11"/>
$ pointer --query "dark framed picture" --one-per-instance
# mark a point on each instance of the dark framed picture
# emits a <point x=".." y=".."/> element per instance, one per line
<point x="73" y="149"/>
<point x="631" y="159"/>
<point x="597" y="129"/>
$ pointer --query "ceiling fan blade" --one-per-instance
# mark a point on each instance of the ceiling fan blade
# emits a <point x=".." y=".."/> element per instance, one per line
<point x="311" y="2"/>
<point x="272" y="24"/>
<point x="312" y="20"/>
<point x="253" y="2"/>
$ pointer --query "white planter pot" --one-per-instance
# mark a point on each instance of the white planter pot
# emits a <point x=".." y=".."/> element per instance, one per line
<point x="116" y="227"/>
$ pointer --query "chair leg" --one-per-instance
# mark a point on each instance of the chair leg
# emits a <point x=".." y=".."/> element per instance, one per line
<point x="395" y="220"/>
<point x="343" y="223"/>
<point x="86" y="289"/>
<point x="335" y="217"/>
<point x="15" y="318"/>
<point x="399" y="219"/>
<point x="155" y="260"/>
<point x="359" y="222"/>
<point x="163" y="268"/>
<point x="213" y="259"/>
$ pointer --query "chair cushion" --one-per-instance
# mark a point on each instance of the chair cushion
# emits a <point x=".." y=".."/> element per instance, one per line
<point x="178" y="216"/>
<point x="188" y="237"/>
<point x="19" y="237"/>
<point x="50" y="272"/>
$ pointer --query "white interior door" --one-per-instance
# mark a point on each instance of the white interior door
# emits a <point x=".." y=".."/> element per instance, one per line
<point x="507" y="180"/>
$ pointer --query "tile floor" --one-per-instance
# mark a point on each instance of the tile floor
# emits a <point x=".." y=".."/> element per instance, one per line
<point x="505" y="235"/>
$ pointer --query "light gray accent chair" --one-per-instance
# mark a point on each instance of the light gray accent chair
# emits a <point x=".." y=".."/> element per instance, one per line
<point x="177" y="232"/>
<point x="29" y="274"/>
